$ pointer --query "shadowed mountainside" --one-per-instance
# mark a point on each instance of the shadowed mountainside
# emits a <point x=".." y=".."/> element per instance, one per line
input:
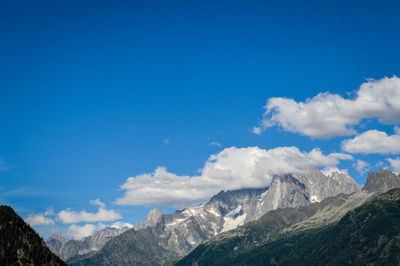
<point x="20" y="244"/>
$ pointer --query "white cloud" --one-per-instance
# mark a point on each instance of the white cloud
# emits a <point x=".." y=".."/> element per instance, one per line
<point x="256" y="130"/>
<point x="380" y="164"/>
<point x="328" y="115"/>
<point x="49" y="211"/>
<point x="97" y="202"/>
<point x="102" y="215"/>
<point x="120" y="225"/>
<point x="329" y="170"/>
<point x="166" y="141"/>
<point x="373" y="141"/>
<point x="232" y="168"/>
<point x="79" y="232"/>
<point x="39" y="219"/>
<point x="395" y="164"/>
<point x="361" y="166"/>
<point x="214" y="143"/>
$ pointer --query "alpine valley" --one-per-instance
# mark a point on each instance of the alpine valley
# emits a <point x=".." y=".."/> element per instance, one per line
<point x="296" y="217"/>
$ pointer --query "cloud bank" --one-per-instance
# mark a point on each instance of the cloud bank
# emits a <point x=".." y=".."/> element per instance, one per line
<point x="102" y="215"/>
<point x="328" y="115"/>
<point x="39" y="219"/>
<point x="97" y="202"/>
<point x="120" y="225"/>
<point x="395" y="164"/>
<point x="79" y="232"/>
<point x="361" y="166"/>
<point x="373" y="141"/>
<point x="233" y="168"/>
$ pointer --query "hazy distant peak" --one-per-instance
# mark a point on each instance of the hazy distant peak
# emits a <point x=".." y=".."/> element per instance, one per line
<point x="58" y="237"/>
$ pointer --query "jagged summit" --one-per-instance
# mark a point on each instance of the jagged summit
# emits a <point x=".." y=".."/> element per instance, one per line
<point x="381" y="181"/>
<point x="153" y="217"/>
<point x="320" y="186"/>
<point x="151" y="220"/>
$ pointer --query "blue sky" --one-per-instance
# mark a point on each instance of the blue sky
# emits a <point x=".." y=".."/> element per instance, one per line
<point x="94" y="92"/>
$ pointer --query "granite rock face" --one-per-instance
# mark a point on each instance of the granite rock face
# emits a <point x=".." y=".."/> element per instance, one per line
<point x="320" y="186"/>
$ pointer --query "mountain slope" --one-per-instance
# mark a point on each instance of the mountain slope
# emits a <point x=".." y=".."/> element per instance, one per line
<point x="20" y="244"/>
<point x="370" y="234"/>
<point x="179" y="233"/>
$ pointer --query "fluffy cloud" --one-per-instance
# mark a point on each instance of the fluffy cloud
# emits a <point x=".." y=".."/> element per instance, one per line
<point x="373" y="141"/>
<point x="256" y="130"/>
<point x="79" y="232"/>
<point x="232" y="168"/>
<point x="395" y="164"/>
<point x="120" y="225"/>
<point x="361" y="166"/>
<point x="329" y="170"/>
<point x="102" y="215"/>
<point x="39" y="219"/>
<point x="327" y="115"/>
<point x="97" y="202"/>
<point x="49" y="211"/>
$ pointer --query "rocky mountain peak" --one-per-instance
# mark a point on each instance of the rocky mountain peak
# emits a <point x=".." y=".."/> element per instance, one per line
<point x="153" y="217"/>
<point x="381" y="181"/>
<point x="320" y="186"/>
<point x="151" y="220"/>
<point x="57" y="237"/>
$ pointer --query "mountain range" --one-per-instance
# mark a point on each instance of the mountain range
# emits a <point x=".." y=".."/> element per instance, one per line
<point x="367" y="235"/>
<point x="305" y="219"/>
<point x="362" y="228"/>
<point x="172" y="236"/>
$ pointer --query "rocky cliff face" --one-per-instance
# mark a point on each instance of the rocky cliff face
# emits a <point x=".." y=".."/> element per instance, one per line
<point x="320" y="186"/>
<point x="182" y="231"/>
<point x="381" y="181"/>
